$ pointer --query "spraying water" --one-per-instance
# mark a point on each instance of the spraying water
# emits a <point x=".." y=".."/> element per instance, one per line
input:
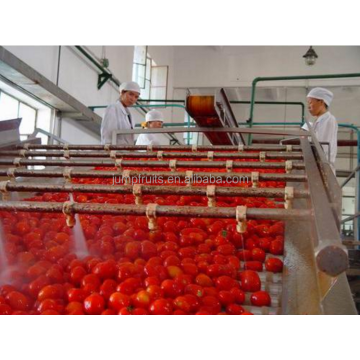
<point x="81" y="249"/>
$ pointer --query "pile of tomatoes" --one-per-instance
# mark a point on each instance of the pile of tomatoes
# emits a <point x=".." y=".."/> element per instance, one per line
<point x="186" y="266"/>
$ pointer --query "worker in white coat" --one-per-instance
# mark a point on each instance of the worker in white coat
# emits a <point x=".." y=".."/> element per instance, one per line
<point x="118" y="117"/>
<point x="325" y="126"/>
<point x="154" y="119"/>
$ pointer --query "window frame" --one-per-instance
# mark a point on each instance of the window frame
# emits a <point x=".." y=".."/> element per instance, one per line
<point x="18" y="108"/>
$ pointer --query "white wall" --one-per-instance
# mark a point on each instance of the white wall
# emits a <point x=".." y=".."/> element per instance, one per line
<point x="238" y="65"/>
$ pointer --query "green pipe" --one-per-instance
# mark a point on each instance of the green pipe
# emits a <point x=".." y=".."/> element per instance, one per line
<point x="286" y="78"/>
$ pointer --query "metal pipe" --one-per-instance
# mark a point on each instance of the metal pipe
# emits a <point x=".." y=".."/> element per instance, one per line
<point x="286" y="78"/>
<point x="357" y="179"/>
<point x="350" y="176"/>
<point x="215" y="130"/>
<point x="331" y="256"/>
<point x="352" y="217"/>
<point x="153" y="190"/>
<point x="173" y="211"/>
<point x="142" y="155"/>
<point x="157" y="147"/>
<point x="182" y="175"/>
<point x="158" y="163"/>
<point x="101" y="68"/>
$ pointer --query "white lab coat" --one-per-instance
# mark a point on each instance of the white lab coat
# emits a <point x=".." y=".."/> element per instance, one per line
<point x="116" y="117"/>
<point x="152" y="139"/>
<point x="325" y="128"/>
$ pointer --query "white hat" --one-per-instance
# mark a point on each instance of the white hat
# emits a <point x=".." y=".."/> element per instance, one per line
<point x="154" y="115"/>
<point x="130" y="86"/>
<point x="321" y="94"/>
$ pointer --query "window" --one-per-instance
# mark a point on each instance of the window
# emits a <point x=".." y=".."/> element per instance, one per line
<point x="159" y="75"/>
<point x="151" y="78"/>
<point x="11" y="108"/>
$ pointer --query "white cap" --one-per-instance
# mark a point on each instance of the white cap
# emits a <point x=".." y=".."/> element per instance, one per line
<point x="321" y="94"/>
<point x="154" y="115"/>
<point x="130" y="86"/>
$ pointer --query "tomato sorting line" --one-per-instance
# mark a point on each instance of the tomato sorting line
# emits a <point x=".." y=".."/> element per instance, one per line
<point x="176" y="211"/>
<point x="108" y="147"/>
<point x="154" y="190"/>
<point x="158" y="164"/>
<point x="159" y="154"/>
<point x="74" y="173"/>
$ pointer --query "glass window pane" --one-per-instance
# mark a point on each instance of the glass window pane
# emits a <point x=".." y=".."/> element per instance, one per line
<point x="140" y="54"/>
<point x="148" y="69"/>
<point x="159" y="76"/>
<point x="139" y="75"/>
<point x="28" y="116"/>
<point x="8" y="107"/>
<point x="145" y="93"/>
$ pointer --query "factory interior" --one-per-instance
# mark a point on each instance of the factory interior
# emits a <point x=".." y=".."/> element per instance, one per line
<point x="233" y="205"/>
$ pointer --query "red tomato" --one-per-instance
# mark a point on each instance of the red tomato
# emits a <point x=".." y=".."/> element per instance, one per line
<point x="5" y="309"/>
<point x="117" y="301"/>
<point x="260" y="298"/>
<point x="133" y="249"/>
<point x="258" y="255"/>
<point x="244" y="255"/>
<point x="181" y="303"/>
<point x="227" y="249"/>
<point x="190" y="269"/>
<point x="203" y="280"/>
<point x="91" y="283"/>
<point x="234" y="309"/>
<point x="76" y="275"/>
<point x="171" y="288"/>
<point x="174" y="271"/>
<point x="171" y="261"/>
<point x="155" y="292"/>
<point x="55" y="291"/>
<point x="107" y="288"/>
<point x="18" y="301"/>
<point x="239" y="295"/>
<point x="142" y="299"/>
<point x="152" y="280"/>
<point x="211" y="304"/>
<point x="49" y="304"/>
<point x="161" y="307"/>
<point x="250" y="281"/>
<point x="194" y="290"/>
<point x="106" y="269"/>
<point x="94" y="304"/>
<point x="225" y="283"/>
<point x="253" y="265"/>
<point x="148" y="249"/>
<point x="36" y="285"/>
<point x="74" y="307"/>
<point x="264" y="244"/>
<point x="226" y="298"/>
<point x="274" y="265"/>
<point x="109" y="312"/>
<point x="76" y="295"/>
<point x="276" y="247"/>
